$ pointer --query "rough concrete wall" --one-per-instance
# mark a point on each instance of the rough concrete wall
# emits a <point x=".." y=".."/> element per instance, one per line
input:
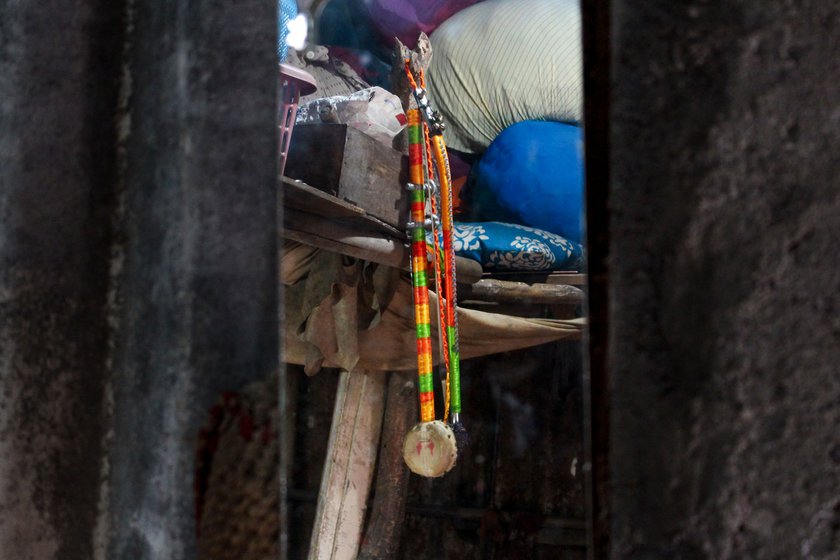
<point x="725" y="280"/>
<point x="138" y="241"/>
<point x="197" y="305"/>
<point x="57" y="166"/>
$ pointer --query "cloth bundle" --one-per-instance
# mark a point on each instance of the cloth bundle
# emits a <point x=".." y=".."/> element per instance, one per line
<point x="532" y="175"/>
<point x="500" y="62"/>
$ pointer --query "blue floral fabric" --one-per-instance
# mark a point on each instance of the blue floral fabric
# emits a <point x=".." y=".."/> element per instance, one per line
<point x="510" y="247"/>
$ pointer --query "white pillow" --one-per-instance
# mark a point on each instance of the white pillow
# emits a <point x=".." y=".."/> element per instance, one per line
<point x="500" y="62"/>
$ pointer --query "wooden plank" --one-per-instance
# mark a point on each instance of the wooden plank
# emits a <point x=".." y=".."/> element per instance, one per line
<point x="343" y="240"/>
<point x="520" y="292"/>
<point x="300" y="196"/>
<point x="556" y="278"/>
<point x="346" y="163"/>
<point x="348" y="469"/>
<point x="383" y="532"/>
<point x="571" y="279"/>
<point x="358" y="237"/>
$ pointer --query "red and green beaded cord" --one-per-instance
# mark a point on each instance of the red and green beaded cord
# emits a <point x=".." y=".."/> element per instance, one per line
<point x="421" y="136"/>
<point x="417" y="234"/>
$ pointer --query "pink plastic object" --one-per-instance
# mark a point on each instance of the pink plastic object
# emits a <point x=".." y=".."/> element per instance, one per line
<point x="294" y="82"/>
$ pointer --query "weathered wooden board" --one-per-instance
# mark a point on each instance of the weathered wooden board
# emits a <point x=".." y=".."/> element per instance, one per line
<point x="541" y="277"/>
<point x="348" y="469"/>
<point x="489" y="289"/>
<point x="571" y="279"/>
<point x="384" y="528"/>
<point x="351" y="165"/>
<point x="325" y="221"/>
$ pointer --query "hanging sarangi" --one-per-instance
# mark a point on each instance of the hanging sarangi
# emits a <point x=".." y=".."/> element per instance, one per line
<point x="430" y="448"/>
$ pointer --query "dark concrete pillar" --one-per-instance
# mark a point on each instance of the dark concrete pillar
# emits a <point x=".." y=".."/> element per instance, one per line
<point x="59" y="77"/>
<point x="724" y="276"/>
<point x="138" y="244"/>
<point x="196" y="310"/>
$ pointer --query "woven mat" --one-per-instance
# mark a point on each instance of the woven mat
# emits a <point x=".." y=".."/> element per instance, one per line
<point x="236" y="477"/>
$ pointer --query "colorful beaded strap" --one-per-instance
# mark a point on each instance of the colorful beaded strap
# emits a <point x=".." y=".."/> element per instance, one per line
<point x="427" y="160"/>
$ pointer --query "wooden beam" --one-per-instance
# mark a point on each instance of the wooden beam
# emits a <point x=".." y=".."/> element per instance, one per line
<point x="335" y="235"/>
<point x="348" y="469"/>
<point x="572" y="279"/>
<point x="324" y="221"/>
<point x="300" y="196"/>
<point x="384" y="530"/>
<point x="520" y="292"/>
<point x="543" y="277"/>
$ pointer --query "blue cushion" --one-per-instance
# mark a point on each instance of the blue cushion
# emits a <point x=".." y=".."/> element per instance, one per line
<point x="532" y="174"/>
<point x="510" y="247"/>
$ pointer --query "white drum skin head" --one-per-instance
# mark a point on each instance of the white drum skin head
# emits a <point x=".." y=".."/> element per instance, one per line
<point x="429" y="449"/>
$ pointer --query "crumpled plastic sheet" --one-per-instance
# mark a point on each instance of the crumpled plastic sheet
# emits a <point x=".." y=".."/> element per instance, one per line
<point x="374" y="111"/>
